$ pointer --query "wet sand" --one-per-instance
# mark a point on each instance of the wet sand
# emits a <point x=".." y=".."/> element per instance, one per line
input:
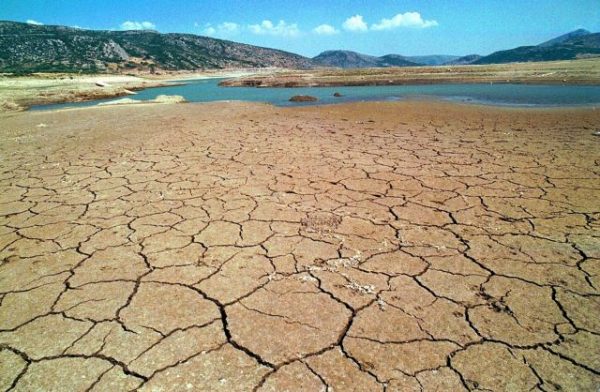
<point x="232" y="246"/>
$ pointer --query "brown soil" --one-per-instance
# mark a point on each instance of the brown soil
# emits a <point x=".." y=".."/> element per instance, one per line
<point x="237" y="247"/>
<point x="555" y="72"/>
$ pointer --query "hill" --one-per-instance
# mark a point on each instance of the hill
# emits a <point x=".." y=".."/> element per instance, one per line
<point x="344" y="59"/>
<point x="349" y="59"/>
<point x="32" y="48"/>
<point x="567" y="47"/>
<point x="465" y="60"/>
<point x="565" y="37"/>
<point x="395" y="60"/>
<point x="435" y="59"/>
<point x="576" y="44"/>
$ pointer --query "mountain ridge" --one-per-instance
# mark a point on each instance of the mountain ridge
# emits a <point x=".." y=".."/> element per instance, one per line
<point x="351" y="59"/>
<point x="565" y="47"/>
<point x="464" y="60"/>
<point x="38" y="48"/>
<point x="565" y="37"/>
<point x="27" y="48"/>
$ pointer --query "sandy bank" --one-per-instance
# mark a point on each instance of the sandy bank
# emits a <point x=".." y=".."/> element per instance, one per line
<point x="18" y="93"/>
<point x="161" y="99"/>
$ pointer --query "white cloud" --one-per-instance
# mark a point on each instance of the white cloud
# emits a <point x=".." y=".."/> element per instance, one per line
<point x="224" y="29"/>
<point x="34" y="22"/>
<point x="133" y="25"/>
<point x="355" y="23"/>
<point x="325" y="29"/>
<point x="281" y="29"/>
<point x="209" y="31"/>
<point x="229" y="27"/>
<point x="407" y="19"/>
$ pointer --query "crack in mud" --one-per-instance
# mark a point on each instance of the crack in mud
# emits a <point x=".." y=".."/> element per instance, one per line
<point x="372" y="246"/>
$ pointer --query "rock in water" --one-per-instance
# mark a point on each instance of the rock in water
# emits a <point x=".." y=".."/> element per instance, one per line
<point x="303" y="98"/>
<point x="337" y="95"/>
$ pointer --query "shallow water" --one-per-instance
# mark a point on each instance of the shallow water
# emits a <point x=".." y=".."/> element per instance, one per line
<point x="207" y="90"/>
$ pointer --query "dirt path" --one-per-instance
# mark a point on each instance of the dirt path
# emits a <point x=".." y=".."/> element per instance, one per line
<point x="238" y="247"/>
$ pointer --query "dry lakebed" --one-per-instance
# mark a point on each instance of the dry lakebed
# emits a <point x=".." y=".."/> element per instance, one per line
<point x="400" y="246"/>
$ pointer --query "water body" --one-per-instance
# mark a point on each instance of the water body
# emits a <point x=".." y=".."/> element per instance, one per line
<point x="518" y="95"/>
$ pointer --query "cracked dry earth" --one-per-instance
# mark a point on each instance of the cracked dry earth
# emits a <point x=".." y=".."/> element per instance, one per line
<point x="240" y="247"/>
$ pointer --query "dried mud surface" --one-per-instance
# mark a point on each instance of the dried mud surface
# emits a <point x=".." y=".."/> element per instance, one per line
<point x="239" y="247"/>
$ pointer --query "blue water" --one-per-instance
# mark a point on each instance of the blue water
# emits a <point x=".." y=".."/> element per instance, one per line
<point x="490" y="94"/>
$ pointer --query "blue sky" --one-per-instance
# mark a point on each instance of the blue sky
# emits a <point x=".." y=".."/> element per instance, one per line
<point x="307" y="27"/>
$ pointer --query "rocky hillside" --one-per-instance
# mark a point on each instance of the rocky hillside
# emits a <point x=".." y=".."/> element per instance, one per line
<point x="32" y="48"/>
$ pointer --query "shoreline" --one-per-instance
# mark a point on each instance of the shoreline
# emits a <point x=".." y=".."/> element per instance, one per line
<point x="574" y="72"/>
<point x="424" y="103"/>
<point x="411" y="99"/>
<point x="408" y="82"/>
<point x="19" y="93"/>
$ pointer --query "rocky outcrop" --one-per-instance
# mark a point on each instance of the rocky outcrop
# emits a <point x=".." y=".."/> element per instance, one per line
<point x="303" y="98"/>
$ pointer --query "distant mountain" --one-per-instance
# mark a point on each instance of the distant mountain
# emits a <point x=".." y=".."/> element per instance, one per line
<point x="38" y="48"/>
<point x="348" y="59"/>
<point x="576" y="44"/>
<point x="465" y="60"/>
<point x="395" y="60"/>
<point x="565" y="37"/>
<point x="436" y="59"/>
<point x="32" y="48"/>
<point x="345" y="59"/>
<point x="566" y="47"/>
